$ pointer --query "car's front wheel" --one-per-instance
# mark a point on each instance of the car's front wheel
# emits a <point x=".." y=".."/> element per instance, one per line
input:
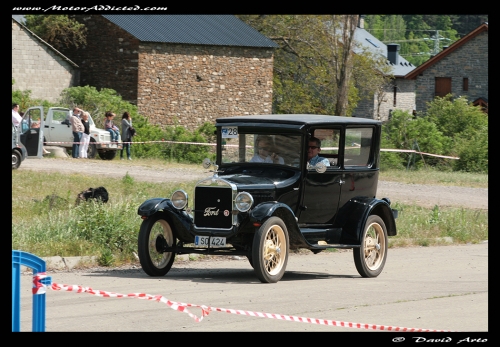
<point x="16" y="159"/>
<point x="155" y="234"/>
<point x="370" y="257"/>
<point x="270" y="250"/>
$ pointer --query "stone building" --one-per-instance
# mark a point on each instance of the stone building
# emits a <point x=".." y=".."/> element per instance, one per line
<point x="400" y="93"/>
<point x="461" y="69"/>
<point x="39" y="67"/>
<point x="179" y="69"/>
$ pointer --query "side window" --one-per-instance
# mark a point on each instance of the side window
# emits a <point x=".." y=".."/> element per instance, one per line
<point x="330" y="139"/>
<point x="358" y="143"/>
<point x="58" y="116"/>
<point x="31" y="120"/>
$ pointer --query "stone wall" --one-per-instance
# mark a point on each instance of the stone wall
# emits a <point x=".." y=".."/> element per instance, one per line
<point x="405" y="101"/>
<point x="175" y="83"/>
<point x="470" y="60"/>
<point x="193" y="84"/>
<point x="109" y="59"/>
<point x="38" y="67"/>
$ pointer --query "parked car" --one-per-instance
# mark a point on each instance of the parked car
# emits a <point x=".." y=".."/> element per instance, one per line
<point x="264" y="210"/>
<point x="19" y="152"/>
<point x="57" y="131"/>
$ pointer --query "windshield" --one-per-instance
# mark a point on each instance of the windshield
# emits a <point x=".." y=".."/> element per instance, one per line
<point x="258" y="147"/>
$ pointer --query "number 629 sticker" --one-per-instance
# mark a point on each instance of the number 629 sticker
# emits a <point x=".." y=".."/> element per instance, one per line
<point x="229" y="132"/>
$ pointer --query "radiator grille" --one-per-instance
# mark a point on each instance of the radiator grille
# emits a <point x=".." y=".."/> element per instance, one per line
<point x="213" y="207"/>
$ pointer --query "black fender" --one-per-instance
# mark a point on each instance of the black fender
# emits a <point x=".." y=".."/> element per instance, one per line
<point x="179" y="219"/>
<point x="353" y="215"/>
<point x="265" y="210"/>
<point x="268" y="209"/>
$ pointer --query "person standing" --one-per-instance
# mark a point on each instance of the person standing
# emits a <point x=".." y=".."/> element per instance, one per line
<point x="126" y="134"/>
<point x="77" y="127"/>
<point x="16" y="117"/>
<point x="85" y="135"/>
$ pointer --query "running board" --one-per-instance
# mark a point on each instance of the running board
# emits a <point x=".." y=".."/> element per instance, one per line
<point x="323" y="238"/>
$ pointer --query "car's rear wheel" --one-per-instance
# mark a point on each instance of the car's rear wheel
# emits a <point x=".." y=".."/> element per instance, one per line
<point x="370" y="257"/>
<point x="270" y="250"/>
<point x="16" y="159"/>
<point x="155" y="234"/>
<point x="107" y="155"/>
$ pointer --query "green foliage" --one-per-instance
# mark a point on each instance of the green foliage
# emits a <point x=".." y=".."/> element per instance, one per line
<point x="23" y="98"/>
<point x="466" y="126"/>
<point x="451" y="127"/>
<point x="99" y="102"/>
<point x="58" y="30"/>
<point x="416" y="34"/>
<point x="310" y="68"/>
<point x="405" y="132"/>
<point x="106" y="258"/>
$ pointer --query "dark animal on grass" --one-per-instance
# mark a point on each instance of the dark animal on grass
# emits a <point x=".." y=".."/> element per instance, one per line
<point x="99" y="194"/>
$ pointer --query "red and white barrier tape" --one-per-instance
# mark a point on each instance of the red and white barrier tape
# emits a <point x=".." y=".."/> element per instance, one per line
<point x="214" y="144"/>
<point x="205" y="310"/>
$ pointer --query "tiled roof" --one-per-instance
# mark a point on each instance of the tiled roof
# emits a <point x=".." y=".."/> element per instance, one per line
<point x="370" y="42"/>
<point x="218" y="30"/>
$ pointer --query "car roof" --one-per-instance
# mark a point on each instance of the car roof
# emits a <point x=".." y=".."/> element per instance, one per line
<point x="297" y="119"/>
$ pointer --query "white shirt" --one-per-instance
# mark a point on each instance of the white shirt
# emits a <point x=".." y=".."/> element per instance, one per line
<point x="16" y="118"/>
<point x="258" y="159"/>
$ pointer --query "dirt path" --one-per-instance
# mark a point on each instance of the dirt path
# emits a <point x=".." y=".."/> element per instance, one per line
<point x="423" y="195"/>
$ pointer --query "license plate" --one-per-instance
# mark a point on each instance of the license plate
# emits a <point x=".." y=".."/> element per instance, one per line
<point x="204" y="241"/>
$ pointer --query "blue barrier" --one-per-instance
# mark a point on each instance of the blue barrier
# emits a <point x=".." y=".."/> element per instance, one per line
<point x="20" y="258"/>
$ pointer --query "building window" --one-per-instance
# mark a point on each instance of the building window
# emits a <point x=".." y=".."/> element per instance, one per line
<point x="442" y="86"/>
<point x="465" y="86"/>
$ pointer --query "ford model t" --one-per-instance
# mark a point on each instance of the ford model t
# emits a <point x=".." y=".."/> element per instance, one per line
<point x="279" y="183"/>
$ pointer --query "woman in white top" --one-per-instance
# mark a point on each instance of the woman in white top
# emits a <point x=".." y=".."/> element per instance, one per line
<point x="265" y="152"/>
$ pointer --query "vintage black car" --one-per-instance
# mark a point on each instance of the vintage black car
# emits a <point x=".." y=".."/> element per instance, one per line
<point x="262" y="207"/>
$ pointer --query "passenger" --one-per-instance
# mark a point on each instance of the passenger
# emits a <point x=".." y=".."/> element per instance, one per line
<point x="265" y="152"/>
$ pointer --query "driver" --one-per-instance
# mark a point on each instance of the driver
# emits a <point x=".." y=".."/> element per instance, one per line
<point x="313" y="149"/>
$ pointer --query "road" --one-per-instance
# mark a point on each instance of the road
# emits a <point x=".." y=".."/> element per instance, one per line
<point x="430" y="288"/>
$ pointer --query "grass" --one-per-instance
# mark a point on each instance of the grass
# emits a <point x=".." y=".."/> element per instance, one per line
<point x="47" y="222"/>
<point x="434" y="177"/>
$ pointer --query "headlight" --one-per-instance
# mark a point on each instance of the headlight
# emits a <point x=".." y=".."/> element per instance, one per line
<point x="243" y="201"/>
<point x="179" y="199"/>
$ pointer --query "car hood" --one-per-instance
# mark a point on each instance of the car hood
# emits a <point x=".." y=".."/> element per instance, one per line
<point x="244" y="180"/>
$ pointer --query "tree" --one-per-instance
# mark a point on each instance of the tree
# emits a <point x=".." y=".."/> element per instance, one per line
<point x="315" y="70"/>
<point x="342" y="58"/>
<point x="58" y="30"/>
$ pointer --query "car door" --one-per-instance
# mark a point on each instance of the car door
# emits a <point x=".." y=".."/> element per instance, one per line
<point x="59" y="127"/>
<point x="321" y="191"/>
<point x="31" y="128"/>
<point x="360" y="172"/>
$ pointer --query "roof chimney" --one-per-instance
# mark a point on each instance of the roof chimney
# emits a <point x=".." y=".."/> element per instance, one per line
<point x="361" y="23"/>
<point x="392" y="53"/>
